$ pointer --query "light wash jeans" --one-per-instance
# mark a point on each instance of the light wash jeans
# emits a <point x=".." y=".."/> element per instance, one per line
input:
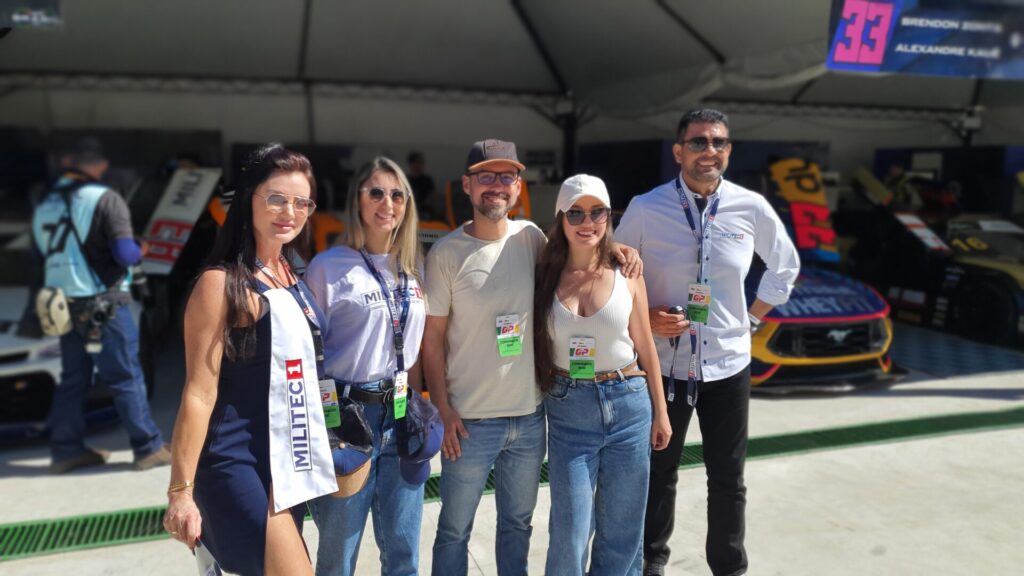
<point x="599" y="455"/>
<point x="514" y="446"/>
<point x="397" y="508"/>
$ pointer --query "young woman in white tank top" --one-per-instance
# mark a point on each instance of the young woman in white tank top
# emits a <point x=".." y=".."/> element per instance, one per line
<point x="593" y="345"/>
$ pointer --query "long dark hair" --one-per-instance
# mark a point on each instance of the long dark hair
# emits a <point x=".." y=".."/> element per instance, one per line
<point x="549" y="271"/>
<point x="235" y="248"/>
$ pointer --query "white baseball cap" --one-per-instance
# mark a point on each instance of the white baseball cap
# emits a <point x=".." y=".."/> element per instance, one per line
<point x="578" y="186"/>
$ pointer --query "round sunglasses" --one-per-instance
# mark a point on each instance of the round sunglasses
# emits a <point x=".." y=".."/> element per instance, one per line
<point x="377" y="194"/>
<point x="575" y="216"/>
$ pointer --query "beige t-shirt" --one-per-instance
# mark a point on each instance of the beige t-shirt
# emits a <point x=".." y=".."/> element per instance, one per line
<point x="473" y="282"/>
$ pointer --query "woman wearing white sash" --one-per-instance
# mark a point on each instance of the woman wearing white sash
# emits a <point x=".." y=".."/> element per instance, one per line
<point x="361" y="285"/>
<point x="250" y="445"/>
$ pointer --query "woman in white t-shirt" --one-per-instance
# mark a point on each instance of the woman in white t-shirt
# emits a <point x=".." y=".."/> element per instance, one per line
<point x="372" y="277"/>
<point x="592" y="346"/>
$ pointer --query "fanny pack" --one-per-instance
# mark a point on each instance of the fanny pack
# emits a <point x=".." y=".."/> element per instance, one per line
<point x="53" y="311"/>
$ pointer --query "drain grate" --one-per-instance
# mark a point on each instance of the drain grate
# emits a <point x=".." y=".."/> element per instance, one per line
<point x="24" y="539"/>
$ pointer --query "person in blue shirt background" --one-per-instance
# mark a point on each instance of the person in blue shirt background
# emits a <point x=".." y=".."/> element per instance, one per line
<point x="83" y="230"/>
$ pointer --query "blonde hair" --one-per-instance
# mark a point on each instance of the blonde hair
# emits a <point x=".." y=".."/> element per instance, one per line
<point x="404" y="248"/>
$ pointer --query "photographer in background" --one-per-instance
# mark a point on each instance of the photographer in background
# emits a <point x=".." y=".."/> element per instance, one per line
<point x="83" y="230"/>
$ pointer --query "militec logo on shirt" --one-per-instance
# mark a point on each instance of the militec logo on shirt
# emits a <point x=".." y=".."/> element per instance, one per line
<point x="375" y="298"/>
<point x="731" y="235"/>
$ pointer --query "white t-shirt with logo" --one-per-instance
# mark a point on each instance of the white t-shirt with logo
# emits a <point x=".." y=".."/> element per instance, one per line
<point x="358" y="340"/>
<point x="473" y="282"/>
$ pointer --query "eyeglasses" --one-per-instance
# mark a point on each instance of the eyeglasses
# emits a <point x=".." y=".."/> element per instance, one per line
<point x="377" y="194"/>
<point x="575" y="216"/>
<point x="701" y="144"/>
<point x="276" y="203"/>
<point x="488" y="178"/>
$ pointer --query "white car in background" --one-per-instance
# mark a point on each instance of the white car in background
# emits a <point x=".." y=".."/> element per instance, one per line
<point x="29" y="373"/>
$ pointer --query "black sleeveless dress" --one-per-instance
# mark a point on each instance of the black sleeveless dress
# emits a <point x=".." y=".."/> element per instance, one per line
<point x="233" y="476"/>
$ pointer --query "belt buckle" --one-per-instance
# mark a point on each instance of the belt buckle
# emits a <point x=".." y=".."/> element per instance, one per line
<point x="389" y="395"/>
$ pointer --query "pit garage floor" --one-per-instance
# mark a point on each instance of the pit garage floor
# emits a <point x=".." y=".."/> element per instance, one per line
<point x="941" y="499"/>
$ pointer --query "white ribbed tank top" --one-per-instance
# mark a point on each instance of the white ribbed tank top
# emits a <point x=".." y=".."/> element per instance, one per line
<point x="609" y="327"/>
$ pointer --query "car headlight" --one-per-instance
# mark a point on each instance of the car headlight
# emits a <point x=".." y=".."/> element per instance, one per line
<point x="879" y="334"/>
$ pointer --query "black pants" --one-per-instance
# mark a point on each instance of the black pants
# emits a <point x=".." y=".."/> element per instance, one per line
<point x="722" y="410"/>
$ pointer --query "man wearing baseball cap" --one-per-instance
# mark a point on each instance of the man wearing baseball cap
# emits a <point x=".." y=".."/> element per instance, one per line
<point x="478" y="363"/>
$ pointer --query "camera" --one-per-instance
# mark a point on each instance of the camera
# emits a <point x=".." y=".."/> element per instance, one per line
<point x="92" y="315"/>
<point x="98" y="311"/>
<point x="677" y="309"/>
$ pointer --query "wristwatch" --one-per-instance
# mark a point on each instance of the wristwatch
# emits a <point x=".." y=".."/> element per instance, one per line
<point x="755" y="322"/>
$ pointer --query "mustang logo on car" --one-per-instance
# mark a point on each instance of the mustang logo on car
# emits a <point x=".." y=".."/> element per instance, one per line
<point x="837" y="335"/>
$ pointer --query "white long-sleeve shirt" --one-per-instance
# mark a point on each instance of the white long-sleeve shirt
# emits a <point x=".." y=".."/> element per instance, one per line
<point x="655" y="224"/>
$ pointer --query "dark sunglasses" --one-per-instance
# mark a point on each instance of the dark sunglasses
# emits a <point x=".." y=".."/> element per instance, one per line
<point x="575" y="216"/>
<point x="489" y="178"/>
<point x="701" y="144"/>
<point x="377" y="194"/>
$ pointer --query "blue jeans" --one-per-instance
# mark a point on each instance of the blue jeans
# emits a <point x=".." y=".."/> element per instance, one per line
<point x="599" y="454"/>
<point x="397" y="508"/>
<point x="514" y="446"/>
<point x="117" y="365"/>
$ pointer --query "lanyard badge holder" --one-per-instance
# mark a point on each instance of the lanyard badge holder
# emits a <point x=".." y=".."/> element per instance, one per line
<point x="509" y="332"/>
<point x="698" y="300"/>
<point x="581" y="358"/>
<point x="398" y="320"/>
<point x="328" y="391"/>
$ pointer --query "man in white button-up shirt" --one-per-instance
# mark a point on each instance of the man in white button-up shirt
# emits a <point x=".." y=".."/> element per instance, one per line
<point x="697" y="235"/>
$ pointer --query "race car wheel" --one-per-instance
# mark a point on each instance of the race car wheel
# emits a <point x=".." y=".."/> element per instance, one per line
<point x="985" y="311"/>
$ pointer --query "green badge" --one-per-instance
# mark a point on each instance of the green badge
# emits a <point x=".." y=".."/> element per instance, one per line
<point x="582" y="369"/>
<point x="510" y="346"/>
<point x="698" y="303"/>
<point x="581" y="357"/>
<point x="510" y="335"/>
<point x="329" y="401"/>
<point x="401" y="394"/>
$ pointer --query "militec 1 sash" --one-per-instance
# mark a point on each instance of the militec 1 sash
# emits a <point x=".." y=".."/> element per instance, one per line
<point x="301" y="467"/>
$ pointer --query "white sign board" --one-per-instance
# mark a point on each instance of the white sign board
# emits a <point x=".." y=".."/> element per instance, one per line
<point x="184" y="200"/>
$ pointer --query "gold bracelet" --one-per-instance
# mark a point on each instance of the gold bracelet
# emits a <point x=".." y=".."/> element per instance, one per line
<point x="179" y="486"/>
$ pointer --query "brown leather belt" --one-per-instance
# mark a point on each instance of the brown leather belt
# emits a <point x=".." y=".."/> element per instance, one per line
<point x="621" y="374"/>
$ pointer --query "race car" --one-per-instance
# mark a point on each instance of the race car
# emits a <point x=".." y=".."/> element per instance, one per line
<point x="962" y="273"/>
<point x="834" y="333"/>
<point x="976" y="285"/>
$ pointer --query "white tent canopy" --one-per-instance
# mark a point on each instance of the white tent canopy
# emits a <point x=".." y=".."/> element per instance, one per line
<point x="625" y="68"/>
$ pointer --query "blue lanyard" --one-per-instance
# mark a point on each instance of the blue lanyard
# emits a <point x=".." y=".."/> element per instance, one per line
<point x="397" y="319"/>
<point x="700" y="235"/>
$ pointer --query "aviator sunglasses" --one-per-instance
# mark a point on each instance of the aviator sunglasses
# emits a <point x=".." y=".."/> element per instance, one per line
<point x="276" y="203"/>
<point x="377" y="194"/>
<point x="575" y="216"/>
<point x="701" y="144"/>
